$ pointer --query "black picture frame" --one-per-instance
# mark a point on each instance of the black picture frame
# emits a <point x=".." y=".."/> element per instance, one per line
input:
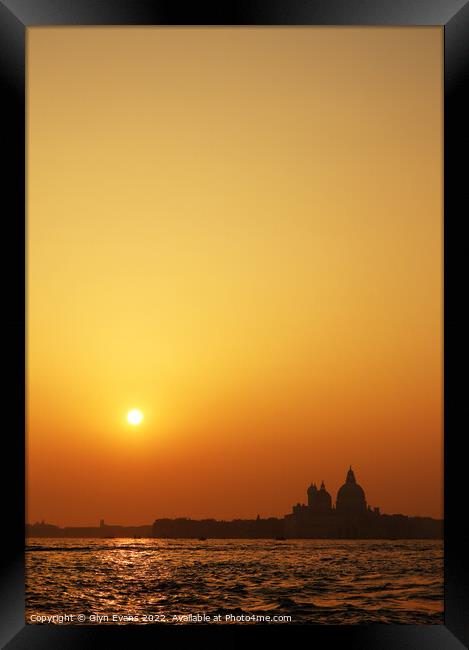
<point x="453" y="16"/>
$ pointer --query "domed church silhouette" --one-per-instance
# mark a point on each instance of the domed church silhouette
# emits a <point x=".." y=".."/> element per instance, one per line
<point x="350" y="518"/>
<point x="351" y="496"/>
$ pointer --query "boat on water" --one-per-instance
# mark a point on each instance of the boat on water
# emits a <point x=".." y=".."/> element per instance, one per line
<point x="280" y="539"/>
<point x="202" y="539"/>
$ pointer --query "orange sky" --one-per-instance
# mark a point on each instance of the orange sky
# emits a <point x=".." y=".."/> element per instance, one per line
<point x="238" y="231"/>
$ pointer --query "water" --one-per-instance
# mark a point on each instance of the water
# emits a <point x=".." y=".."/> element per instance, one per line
<point x="311" y="581"/>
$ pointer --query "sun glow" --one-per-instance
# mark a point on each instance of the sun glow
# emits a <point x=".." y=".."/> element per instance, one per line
<point x="134" y="417"/>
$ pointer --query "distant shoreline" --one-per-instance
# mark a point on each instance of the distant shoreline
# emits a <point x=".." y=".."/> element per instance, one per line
<point x="419" y="528"/>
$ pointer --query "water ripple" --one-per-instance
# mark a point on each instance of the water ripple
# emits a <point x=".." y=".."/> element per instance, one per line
<point x="313" y="581"/>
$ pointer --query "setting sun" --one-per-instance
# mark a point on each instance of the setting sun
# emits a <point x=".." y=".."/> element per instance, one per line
<point x="134" y="417"/>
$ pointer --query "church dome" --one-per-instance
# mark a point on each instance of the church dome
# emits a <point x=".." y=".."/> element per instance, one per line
<point x="351" y="496"/>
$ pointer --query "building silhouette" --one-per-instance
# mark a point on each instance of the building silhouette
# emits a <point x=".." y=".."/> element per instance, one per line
<point x="350" y="518"/>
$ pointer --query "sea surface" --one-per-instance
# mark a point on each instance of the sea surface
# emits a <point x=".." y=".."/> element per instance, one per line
<point x="141" y="581"/>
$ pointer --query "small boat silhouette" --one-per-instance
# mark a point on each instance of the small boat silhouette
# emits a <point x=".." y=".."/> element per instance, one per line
<point x="202" y="539"/>
<point x="280" y="539"/>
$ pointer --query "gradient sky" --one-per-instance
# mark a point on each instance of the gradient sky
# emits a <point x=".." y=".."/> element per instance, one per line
<point x="238" y="231"/>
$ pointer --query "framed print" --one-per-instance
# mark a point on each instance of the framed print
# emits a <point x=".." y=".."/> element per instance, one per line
<point x="234" y="323"/>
